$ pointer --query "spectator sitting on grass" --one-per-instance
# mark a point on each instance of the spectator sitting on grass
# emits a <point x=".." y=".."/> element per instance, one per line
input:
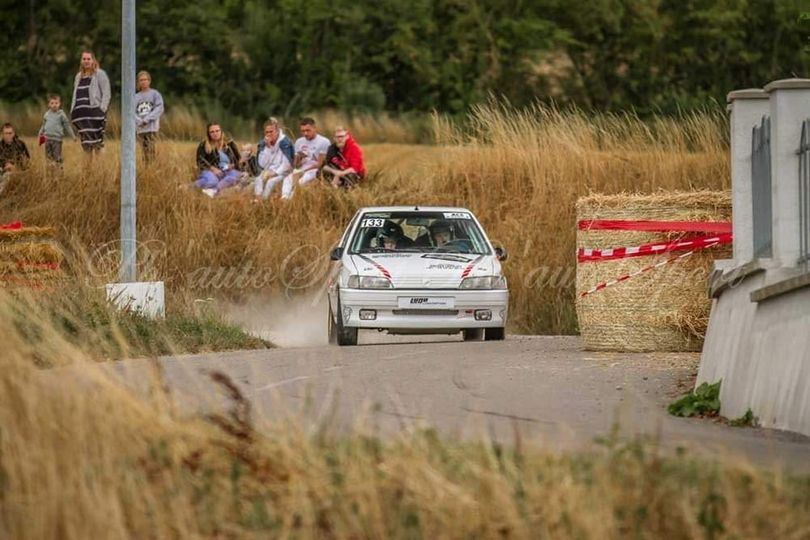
<point x="217" y="159"/>
<point x="310" y="152"/>
<point x="14" y="154"/>
<point x="248" y="166"/>
<point x="55" y="127"/>
<point x="344" y="160"/>
<point x="275" y="156"/>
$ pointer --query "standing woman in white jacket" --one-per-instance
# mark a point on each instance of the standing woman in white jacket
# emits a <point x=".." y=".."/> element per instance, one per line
<point x="91" y="99"/>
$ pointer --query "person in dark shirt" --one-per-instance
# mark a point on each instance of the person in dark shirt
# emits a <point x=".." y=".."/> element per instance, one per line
<point x="14" y="154"/>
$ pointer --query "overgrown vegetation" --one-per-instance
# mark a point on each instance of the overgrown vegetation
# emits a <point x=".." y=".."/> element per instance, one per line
<point x="80" y="315"/>
<point x="702" y="401"/>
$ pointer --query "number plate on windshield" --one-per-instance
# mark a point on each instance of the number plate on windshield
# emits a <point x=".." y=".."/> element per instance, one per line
<point x="426" y="302"/>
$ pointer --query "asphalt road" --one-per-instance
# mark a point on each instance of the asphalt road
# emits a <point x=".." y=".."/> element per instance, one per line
<point x="548" y="388"/>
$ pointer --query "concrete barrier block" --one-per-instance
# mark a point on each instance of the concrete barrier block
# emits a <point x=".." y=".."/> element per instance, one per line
<point x="146" y="298"/>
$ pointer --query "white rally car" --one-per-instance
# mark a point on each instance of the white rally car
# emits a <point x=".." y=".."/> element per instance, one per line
<point x="416" y="270"/>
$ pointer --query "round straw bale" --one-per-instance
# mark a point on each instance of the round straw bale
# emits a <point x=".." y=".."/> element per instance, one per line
<point x="665" y="309"/>
<point x="31" y="252"/>
<point x="30" y="258"/>
<point x="26" y="233"/>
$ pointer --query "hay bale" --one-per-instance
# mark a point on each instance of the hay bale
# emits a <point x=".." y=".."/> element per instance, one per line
<point x="26" y="233"/>
<point x="30" y="257"/>
<point x="35" y="252"/>
<point x="666" y="309"/>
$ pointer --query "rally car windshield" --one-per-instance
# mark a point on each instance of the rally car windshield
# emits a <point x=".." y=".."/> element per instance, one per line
<point x="418" y="232"/>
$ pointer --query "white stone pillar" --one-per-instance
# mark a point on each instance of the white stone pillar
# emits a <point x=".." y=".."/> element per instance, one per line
<point x="747" y="109"/>
<point x="789" y="106"/>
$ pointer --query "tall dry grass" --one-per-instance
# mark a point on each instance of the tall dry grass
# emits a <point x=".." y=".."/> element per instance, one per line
<point x="520" y="171"/>
<point x="83" y="457"/>
<point x="186" y="122"/>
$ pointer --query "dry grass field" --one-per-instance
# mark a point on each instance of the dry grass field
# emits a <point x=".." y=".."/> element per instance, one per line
<point x="187" y="123"/>
<point x="519" y="171"/>
<point x="80" y="457"/>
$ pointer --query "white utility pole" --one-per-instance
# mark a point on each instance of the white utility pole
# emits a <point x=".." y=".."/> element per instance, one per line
<point x="147" y="298"/>
<point x="128" y="215"/>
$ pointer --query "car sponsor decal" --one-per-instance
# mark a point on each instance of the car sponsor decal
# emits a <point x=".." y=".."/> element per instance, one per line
<point x="405" y="302"/>
<point x="394" y="255"/>
<point x="457" y="215"/>
<point x="470" y="266"/>
<point x="376" y="265"/>
<point x="442" y="266"/>
<point x="447" y="257"/>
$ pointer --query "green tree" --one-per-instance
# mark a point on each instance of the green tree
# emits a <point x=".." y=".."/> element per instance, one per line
<point x="260" y="57"/>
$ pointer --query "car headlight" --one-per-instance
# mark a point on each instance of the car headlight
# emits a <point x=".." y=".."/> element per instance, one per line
<point x="483" y="282"/>
<point x="368" y="282"/>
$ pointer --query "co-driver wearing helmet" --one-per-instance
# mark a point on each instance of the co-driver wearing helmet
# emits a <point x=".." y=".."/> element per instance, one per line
<point x="389" y="235"/>
<point x="441" y="232"/>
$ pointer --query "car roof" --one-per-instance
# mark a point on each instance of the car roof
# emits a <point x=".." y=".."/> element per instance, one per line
<point x="413" y="209"/>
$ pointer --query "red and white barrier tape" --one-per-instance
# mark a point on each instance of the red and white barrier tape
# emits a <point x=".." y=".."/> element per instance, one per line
<point x="712" y="227"/>
<point x="620" y="279"/>
<point x="592" y="255"/>
<point x="38" y="266"/>
<point x="721" y="230"/>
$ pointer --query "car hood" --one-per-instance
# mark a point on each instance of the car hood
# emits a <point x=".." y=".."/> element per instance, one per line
<point x="425" y="270"/>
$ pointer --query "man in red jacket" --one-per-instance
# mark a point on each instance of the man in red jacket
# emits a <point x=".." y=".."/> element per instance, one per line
<point x="344" y="160"/>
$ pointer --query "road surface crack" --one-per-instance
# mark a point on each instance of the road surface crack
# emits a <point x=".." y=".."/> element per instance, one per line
<point x="509" y="416"/>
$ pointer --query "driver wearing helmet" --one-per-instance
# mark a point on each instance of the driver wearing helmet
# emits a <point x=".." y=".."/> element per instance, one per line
<point x="389" y="235"/>
<point x="441" y="232"/>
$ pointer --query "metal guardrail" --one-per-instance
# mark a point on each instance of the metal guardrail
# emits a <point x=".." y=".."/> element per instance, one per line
<point x="804" y="193"/>
<point x="761" y="188"/>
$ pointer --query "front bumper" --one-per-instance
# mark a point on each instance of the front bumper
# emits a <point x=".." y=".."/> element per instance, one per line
<point x="390" y="316"/>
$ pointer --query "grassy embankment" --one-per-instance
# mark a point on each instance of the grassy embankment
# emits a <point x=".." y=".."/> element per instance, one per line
<point x="81" y="457"/>
<point x="519" y="171"/>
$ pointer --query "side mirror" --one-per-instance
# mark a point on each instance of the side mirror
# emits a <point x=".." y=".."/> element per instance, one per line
<point x="336" y="253"/>
<point x="500" y="253"/>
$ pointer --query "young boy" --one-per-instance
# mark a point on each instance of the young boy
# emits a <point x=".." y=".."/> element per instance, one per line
<point x="55" y="126"/>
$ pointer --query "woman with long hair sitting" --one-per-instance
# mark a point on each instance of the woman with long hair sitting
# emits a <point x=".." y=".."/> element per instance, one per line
<point x="218" y="160"/>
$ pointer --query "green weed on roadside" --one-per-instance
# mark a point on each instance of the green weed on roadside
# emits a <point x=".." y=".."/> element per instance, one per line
<point x="702" y="401"/>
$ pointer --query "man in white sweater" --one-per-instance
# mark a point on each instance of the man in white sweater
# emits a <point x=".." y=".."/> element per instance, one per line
<point x="274" y="155"/>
